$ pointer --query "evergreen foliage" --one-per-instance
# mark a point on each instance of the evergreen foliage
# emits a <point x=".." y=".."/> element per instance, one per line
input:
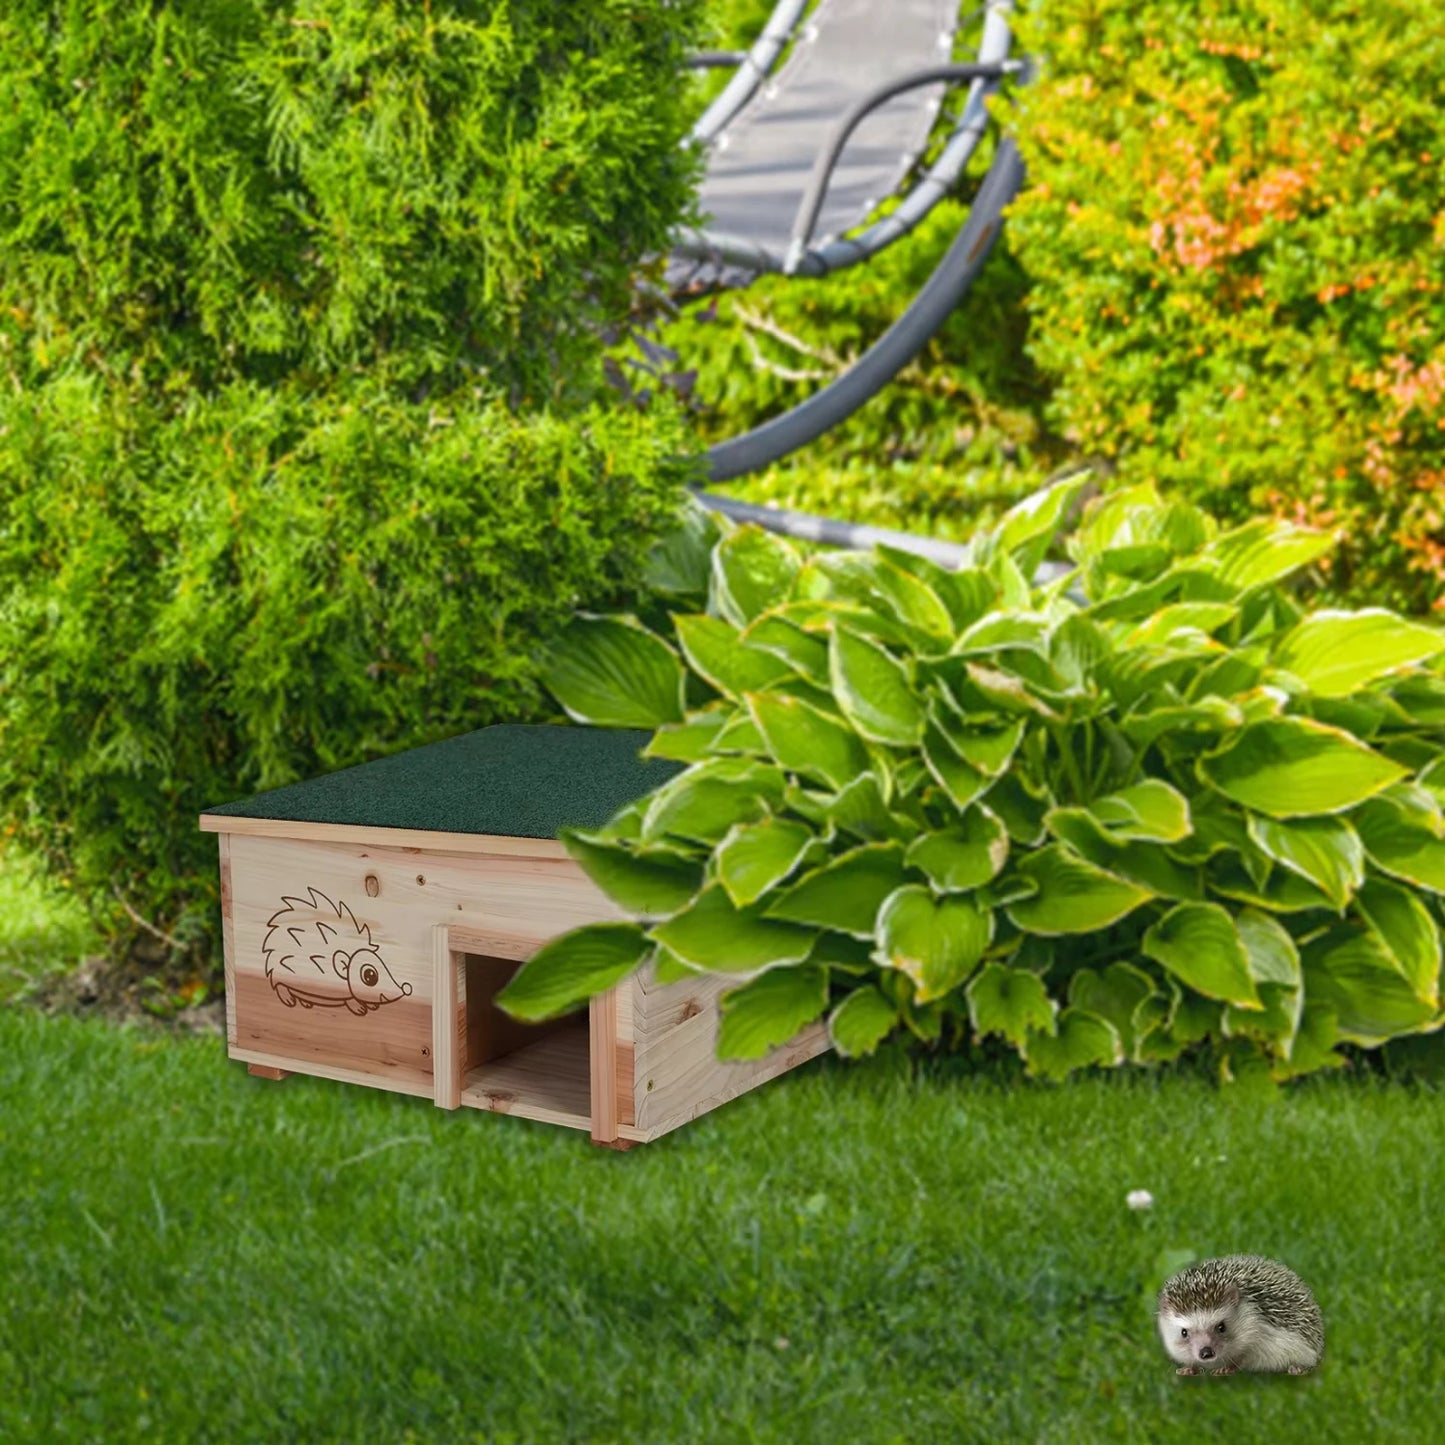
<point x="304" y="441"/>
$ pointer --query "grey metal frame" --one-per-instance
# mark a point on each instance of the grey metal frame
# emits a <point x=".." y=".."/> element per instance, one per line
<point x="929" y="309"/>
<point x="704" y="245"/>
<point x="895" y="348"/>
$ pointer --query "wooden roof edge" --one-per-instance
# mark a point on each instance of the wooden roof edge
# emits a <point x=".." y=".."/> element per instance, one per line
<point x="413" y="839"/>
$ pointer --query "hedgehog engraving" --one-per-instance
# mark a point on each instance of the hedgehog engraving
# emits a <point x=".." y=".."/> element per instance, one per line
<point x="319" y="956"/>
<point x="1241" y="1312"/>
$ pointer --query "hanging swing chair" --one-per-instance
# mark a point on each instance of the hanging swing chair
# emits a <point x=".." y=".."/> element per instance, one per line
<point x="797" y="165"/>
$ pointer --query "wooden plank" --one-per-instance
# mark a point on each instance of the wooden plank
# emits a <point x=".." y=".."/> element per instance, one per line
<point x="679" y="1076"/>
<point x="603" y="1031"/>
<point x="549" y="1080"/>
<point x="330" y="1071"/>
<point x="393" y="898"/>
<point x="420" y="839"/>
<point x="266" y="1071"/>
<point x="228" y="938"/>
<point x="448" y="1019"/>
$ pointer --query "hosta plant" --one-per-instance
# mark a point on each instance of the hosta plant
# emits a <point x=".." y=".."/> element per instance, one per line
<point x="1150" y="802"/>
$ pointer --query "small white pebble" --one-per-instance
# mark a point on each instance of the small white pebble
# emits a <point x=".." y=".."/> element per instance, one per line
<point x="781" y="1343"/>
<point x="1139" y="1199"/>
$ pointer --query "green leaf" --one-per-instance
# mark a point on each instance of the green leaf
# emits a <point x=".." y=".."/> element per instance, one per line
<point x="806" y="654"/>
<point x="935" y="942"/>
<point x="989" y="750"/>
<point x="964" y="855"/>
<point x="1073" y="896"/>
<point x="960" y="780"/>
<point x="687" y="741"/>
<point x="566" y="971"/>
<point x="804" y="740"/>
<point x="1353" y="972"/>
<point x="1144" y="864"/>
<point x="752" y="570"/>
<point x="873" y="689"/>
<point x="755" y="856"/>
<point x="1199" y="944"/>
<point x="859" y="809"/>
<point x="770" y="1010"/>
<point x="740" y="735"/>
<point x="861" y="1022"/>
<point x="716" y="653"/>
<point x="1264" y="551"/>
<point x="846" y="892"/>
<point x="1081" y="1039"/>
<point x="1293" y="767"/>
<point x="1118" y="994"/>
<point x="1401" y="841"/>
<point x="1273" y="957"/>
<point x="1326" y="851"/>
<point x="613" y="672"/>
<point x="865" y="578"/>
<point x="1408" y="933"/>
<point x="1336" y="653"/>
<point x="1019" y="809"/>
<point x="1027" y="528"/>
<point x="1150" y="811"/>
<point x="652" y="884"/>
<point x="681" y="559"/>
<point x="1276" y="1022"/>
<point x="669" y="968"/>
<point x="707" y="799"/>
<point x="713" y="934"/>
<point x="1009" y="1001"/>
<point x="1313" y="1044"/>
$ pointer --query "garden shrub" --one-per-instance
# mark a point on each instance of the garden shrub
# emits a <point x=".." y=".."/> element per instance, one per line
<point x="273" y="585"/>
<point x="250" y="189"/>
<point x="1234" y="238"/>
<point x="304" y="441"/>
<point x="1151" y="803"/>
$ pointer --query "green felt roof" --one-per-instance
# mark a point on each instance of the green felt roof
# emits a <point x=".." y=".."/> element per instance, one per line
<point x="513" y="780"/>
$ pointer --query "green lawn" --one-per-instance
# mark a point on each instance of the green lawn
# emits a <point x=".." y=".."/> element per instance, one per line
<point x="852" y="1253"/>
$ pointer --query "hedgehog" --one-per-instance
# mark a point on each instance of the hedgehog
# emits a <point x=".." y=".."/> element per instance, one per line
<point x="319" y="956"/>
<point x="1242" y="1312"/>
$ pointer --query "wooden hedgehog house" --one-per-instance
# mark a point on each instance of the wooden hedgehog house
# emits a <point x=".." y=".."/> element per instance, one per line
<point x="370" y="917"/>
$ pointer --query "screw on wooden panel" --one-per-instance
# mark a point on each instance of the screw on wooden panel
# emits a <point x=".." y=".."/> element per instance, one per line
<point x="425" y="1053"/>
<point x="373" y="885"/>
<point x="649" y="1086"/>
<point x="420" y="879"/>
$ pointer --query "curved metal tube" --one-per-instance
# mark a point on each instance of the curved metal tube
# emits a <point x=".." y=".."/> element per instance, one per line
<point x="895" y="348"/>
<point x="812" y="201"/>
<point x="835" y="255"/>
<point x="753" y="70"/>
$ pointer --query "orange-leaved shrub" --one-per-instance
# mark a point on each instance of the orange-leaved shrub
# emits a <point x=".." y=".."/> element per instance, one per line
<point x="1235" y="231"/>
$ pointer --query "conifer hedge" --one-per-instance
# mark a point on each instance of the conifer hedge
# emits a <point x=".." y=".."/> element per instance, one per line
<point x="304" y="442"/>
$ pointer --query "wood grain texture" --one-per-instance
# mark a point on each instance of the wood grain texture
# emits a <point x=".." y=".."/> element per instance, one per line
<point x="549" y="1080"/>
<point x="448" y="1020"/>
<point x="423" y="840"/>
<point x="337" y="1075"/>
<point x="603" y="1033"/>
<point x="228" y="938"/>
<point x="507" y="905"/>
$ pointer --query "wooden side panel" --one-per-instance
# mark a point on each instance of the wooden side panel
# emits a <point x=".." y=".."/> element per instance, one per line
<point x="332" y="953"/>
<point x="676" y="1072"/>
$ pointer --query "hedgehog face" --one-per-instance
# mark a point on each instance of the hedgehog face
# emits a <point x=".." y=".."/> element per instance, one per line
<point x="371" y="982"/>
<point x="1208" y="1336"/>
